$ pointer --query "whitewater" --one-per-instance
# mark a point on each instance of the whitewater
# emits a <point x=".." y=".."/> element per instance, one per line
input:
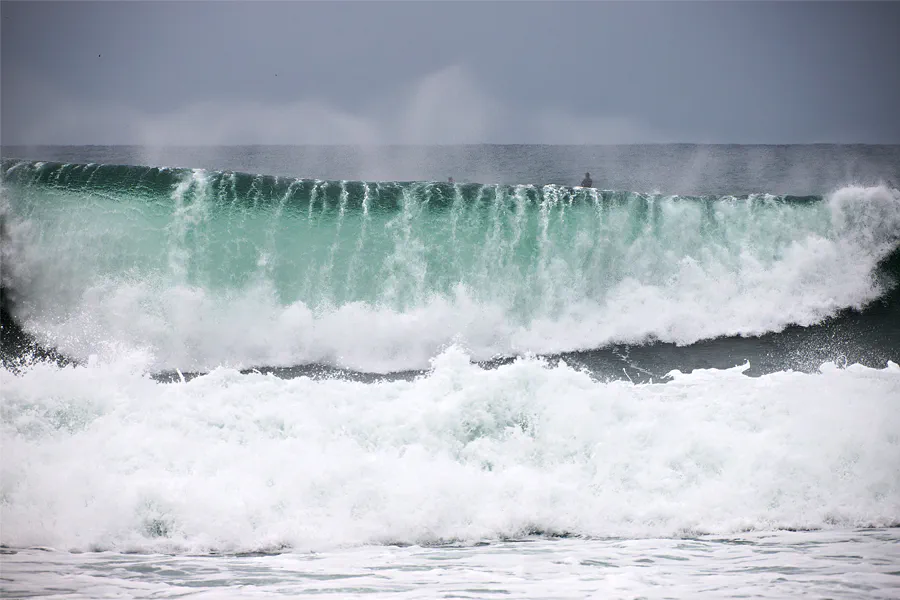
<point x="218" y="383"/>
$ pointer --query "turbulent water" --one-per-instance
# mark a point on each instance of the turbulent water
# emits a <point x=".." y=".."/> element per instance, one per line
<point x="242" y="363"/>
<point x="204" y="269"/>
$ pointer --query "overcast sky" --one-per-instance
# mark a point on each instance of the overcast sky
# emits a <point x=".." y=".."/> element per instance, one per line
<point x="449" y="72"/>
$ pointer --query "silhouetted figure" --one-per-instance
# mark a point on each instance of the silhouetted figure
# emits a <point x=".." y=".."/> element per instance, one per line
<point x="449" y="180"/>
<point x="586" y="182"/>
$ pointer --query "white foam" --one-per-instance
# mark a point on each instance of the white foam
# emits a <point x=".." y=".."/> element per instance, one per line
<point x="100" y="456"/>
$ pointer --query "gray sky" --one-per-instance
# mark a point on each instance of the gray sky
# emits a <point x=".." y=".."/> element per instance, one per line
<point x="449" y="72"/>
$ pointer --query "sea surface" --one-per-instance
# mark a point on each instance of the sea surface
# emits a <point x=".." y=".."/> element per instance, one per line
<point x="274" y="371"/>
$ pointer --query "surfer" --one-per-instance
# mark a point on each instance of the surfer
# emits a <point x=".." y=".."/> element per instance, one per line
<point x="586" y="182"/>
<point x="449" y="180"/>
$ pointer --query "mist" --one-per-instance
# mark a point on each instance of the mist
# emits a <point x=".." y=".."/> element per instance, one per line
<point x="439" y="73"/>
<point x="445" y="107"/>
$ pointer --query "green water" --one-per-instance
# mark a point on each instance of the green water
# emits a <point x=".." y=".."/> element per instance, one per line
<point x="532" y="250"/>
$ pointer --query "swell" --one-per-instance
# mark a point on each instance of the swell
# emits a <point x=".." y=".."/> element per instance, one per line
<point x="336" y="275"/>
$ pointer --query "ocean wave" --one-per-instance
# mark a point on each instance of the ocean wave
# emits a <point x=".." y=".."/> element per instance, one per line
<point x="204" y="269"/>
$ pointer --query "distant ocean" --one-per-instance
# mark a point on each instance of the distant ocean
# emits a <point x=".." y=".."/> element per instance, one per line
<point x="274" y="371"/>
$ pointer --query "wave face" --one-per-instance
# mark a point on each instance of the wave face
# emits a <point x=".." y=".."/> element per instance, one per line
<point x="201" y="269"/>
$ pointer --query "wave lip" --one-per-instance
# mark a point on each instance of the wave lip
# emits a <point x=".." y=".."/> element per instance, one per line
<point x="201" y="269"/>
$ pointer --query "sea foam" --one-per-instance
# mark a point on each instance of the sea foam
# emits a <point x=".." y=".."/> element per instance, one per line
<point x="102" y="457"/>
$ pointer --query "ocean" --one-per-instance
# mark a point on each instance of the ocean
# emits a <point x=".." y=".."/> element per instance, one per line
<point x="273" y="371"/>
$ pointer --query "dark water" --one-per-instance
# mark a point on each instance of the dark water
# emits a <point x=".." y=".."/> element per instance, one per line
<point x="670" y="169"/>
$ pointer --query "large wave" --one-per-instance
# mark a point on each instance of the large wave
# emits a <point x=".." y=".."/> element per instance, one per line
<point x="131" y="270"/>
<point x="202" y="269"/>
